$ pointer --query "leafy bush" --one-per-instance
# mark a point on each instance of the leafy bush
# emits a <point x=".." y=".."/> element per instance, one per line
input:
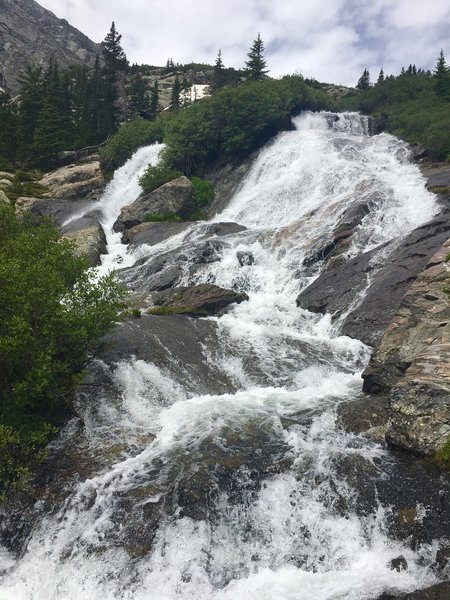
<point x="131" y="136"/>
<point x="411" y="110"/>
<point x="235" y="121"/>
<point x="161" y="217"/>
<point x="156" y="176"/>
<point x="52" y="316"/>
<point x="203" y="192"/>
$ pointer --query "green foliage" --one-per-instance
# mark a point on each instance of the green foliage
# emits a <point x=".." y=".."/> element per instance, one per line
<point x="364" y="81"/>
<point x="410" y="107"/>
<point x="52" y="316"/>
<point x="162" y="217"/>
<point x="203" y="194"/>
<point x="114" y="57"/>
<point x="131" y="136"/>
<point x="235" y="121"/>
<point x="156" y="176"/>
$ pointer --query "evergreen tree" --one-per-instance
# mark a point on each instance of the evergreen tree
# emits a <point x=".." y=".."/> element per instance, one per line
<point x="219" y="77"/>
<point x="380" y="79"/>
<point x="8" y="128"/>
<point x="176" y="93"/>
<point x="185" y="92"/>
<point x="139" y="99"/>
<point x="256" y="65"/>
<point x="54" y="127"/>
<point x="364" y="81"/>
<point x="113" y="55"/>
<point x="101" y="105"/>
<point x="442" y="77"/>
<point x="31" y="101"/>
<point x="154" y="100"/>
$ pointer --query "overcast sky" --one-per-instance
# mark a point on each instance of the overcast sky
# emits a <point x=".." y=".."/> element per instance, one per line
<point x="331" y="40"/>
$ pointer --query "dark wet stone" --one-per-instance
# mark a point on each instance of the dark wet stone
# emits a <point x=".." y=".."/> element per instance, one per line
<point x="399" y="564"/>
<point x="199" y="300"/>
<point x="152" y="233"/>
<point x="245" y="258"/>
<point x="440" y="591"/>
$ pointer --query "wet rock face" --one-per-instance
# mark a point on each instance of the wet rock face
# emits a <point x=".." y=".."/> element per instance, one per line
<point x="58" y="210"/>
<point x="412" y="362"/>
<point x="440" y="591"/>
<point x="74" y="181"/>
<point x="152" y="233"/>
<point x="173" y="197"/>
<point x="199" y="300"/>
<point x="339" y="284"/>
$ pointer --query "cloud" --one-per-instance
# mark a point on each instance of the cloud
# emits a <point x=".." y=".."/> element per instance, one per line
<point x="331" y="40"/>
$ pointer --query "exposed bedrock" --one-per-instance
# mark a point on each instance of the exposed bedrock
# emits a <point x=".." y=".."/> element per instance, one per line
<point x="339" y="284"/>
<point x="198" y="300"/>
<point x="412" y="362"/>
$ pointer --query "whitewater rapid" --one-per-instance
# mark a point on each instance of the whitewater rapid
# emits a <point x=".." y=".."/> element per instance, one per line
<point x="248" y="494"/>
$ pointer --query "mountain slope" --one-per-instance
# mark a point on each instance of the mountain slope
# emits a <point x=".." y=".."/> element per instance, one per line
<point x="31" y="35"/>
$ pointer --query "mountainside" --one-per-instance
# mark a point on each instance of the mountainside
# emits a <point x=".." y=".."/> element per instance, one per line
<point x="31" y="35"/>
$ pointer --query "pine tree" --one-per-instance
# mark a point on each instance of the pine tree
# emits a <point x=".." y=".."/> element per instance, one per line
<point x="31" y="102"/>
<point x="8" y="128"/>
<point x="380" y="79"/>
<point x="364" y="81"/>
<point x="185" y="92"/>
<point x="138" y="93"/>
<point x="219" y="77"/>
<point x="175" y="97"/>
<point x="442" y="77"/>
<point x="113" y="55"/>
<point x="154" y="100"/>
<point x="256" y="65"/>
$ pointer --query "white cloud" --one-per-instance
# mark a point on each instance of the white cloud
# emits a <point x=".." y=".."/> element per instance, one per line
<point x="332" y="40"/>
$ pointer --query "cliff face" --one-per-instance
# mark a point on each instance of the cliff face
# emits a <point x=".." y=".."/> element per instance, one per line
<point x="31" y="35"/>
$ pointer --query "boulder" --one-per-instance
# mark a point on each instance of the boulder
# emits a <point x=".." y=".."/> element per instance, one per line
<point x="437" y="175"/>
<point x="6" y="175"/>
<point x="173" y="197"/>
<point x="88" y="236"/>
<point x="74" y="181"/>
<point x="412" y="362"/>
<point x="199" y="300"/>
<point x="4" y="198"/>
<point x="152" y="233"/>
<point x="5" y="183"/>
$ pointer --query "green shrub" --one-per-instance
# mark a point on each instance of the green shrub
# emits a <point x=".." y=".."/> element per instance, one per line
<point x="24" y="184"/>
<point x="131" y="136"/>
<point x="203" y="192"/>
<point x="162" y="217"/>
<point x="156" y="176"/>
<point x="236" y="121"/>
<point x="52" y="315"/>
<point x="443" y="456"/>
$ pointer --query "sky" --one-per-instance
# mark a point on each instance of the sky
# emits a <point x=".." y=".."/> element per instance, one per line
<point x="330" y="40"/>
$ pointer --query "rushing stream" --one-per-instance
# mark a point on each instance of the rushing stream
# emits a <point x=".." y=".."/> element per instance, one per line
<point x="253" y="492"/>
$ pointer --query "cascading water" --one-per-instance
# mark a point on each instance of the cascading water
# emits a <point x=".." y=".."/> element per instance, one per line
<point x="254" y="493"/>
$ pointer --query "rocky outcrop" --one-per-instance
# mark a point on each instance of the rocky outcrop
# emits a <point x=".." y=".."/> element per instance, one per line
<point x="58" y="210"/>
<point x="412" y="362"/>
<point x="199" y="300"/>
<point x="88" y="237"/>
<point x="74" y="181"/>
<point x="339" y="284"/>
<point x="175" y="197"/>
<point x="30" y="35"/>
<point x="227" y="180"/>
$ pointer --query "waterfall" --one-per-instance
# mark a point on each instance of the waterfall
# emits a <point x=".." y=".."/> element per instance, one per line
<point x="254" y="493"/>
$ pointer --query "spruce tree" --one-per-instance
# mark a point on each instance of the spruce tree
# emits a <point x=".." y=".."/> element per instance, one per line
<point x="154" y="100"/>
<point x="364" y="81"/>
<point x="442" y="77"/>
<point x="256" y="65"/>
<point x="219" y="77"/>
<point x="113" y="55"/>
<point x="138" y="93"/>
<point x="31" y="102"/>
<point x="175" y="97"/>
<point x="185" y="92"/>
<point x="380" y="79"/>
